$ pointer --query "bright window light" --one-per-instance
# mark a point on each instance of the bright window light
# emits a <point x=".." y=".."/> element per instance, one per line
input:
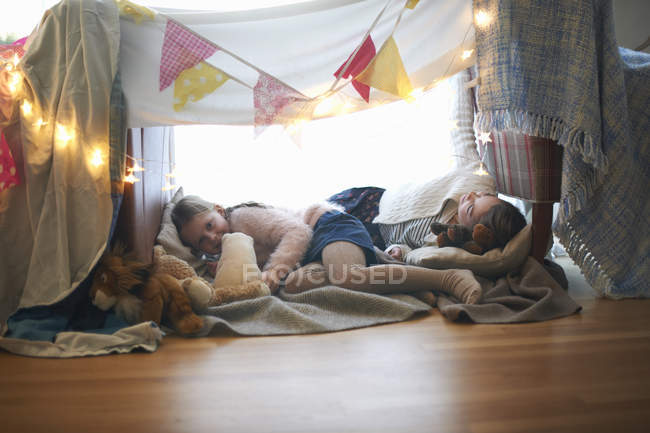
<point x="384" y="146"/>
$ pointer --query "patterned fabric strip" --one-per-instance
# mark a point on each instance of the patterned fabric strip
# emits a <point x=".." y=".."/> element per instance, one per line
<point x="181" y="50"/>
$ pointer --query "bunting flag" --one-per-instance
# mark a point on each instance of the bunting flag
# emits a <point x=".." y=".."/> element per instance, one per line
<point x="135" y="11"/>
<point x="181" y="50"/>
<point x="358" y="64"/>
<point x="411" y="4"/>
<point x="8" y="175"/>
<point x="386" y="72"/>
<point x="194" y="83"/>
<point x="7" y="52"/>
<point x="271" y="98"/>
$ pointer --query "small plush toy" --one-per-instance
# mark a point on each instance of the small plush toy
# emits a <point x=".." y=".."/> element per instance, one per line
<point x="475" y="240"/>
<point x="238" y="277"/>
<point x="141" y="293"/>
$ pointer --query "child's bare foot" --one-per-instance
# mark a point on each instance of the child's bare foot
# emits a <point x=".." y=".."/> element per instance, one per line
<point x="461" y="284"/>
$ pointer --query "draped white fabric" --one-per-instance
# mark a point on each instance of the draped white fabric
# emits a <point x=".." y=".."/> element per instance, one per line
<point x="302" y="45"/>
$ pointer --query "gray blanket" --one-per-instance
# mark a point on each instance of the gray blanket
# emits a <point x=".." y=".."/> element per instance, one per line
<point x="530" y="295"/>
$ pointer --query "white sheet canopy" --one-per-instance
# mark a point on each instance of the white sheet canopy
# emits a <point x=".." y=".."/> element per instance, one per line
<point x="301" y="45"/>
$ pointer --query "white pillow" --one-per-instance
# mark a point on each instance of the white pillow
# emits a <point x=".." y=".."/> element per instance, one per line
<point x="168" y="237"/>
<point x="493" y="263"/>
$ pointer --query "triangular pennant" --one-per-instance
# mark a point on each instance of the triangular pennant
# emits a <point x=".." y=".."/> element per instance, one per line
<point x="181" y="50"/>
<point x="358" y="64"/>
<point x="194" y="83"/>
<point x="270" y="98"/>
<point x="411" y="4"/>
<point x="386" y="72"/>
<point x="135" y="11"/>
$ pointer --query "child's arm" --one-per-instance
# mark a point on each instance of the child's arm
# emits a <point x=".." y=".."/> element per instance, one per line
<point x="284" y="233"/>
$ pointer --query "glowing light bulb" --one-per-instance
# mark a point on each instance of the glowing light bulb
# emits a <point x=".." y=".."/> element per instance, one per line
<point x="326" y="107"/>
<point x="130" y="178"/>
<point x="63" y="135"/>
<point x="173" y="173"/>
<point x="466" y="54"/>
<point x="484" y="137"/>
<point x="27" y="108"/>
<point x="136" y="167"/>
<point x="39" y="123"/>
<point x="481" y="171"/>
<point x="482" y="18"/>
<point x="14" y="81"/>
<point x="168" y="186"/>
<point x="97" y="159"/>
<point x="415" y="95"/>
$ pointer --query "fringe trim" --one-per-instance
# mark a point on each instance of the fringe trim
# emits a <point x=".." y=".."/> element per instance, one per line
<point x="544" y="126"/>
<point x="575" y="142"/>
<point x="588" y="264"/>
<point x="594" y="273"/>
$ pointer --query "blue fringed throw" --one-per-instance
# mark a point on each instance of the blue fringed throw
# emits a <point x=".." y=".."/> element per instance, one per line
<point x="553" y="69"/>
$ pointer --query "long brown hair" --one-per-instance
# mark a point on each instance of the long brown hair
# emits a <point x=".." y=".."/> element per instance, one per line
<point x="505" y="220"/>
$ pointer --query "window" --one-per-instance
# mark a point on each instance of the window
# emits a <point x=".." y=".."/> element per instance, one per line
<point x="383" y="146"/>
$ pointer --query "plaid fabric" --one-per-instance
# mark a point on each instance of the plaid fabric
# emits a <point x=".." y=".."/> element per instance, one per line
<point x="553" y="69"/>
<point x="181" y="50"/>
<point x="526" y="167"/>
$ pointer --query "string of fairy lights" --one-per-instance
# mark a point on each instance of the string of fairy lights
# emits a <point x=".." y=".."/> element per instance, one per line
<point x="64" y="135"/>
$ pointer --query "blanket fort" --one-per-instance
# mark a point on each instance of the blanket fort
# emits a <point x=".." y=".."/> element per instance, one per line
<point x="287" y="64"/>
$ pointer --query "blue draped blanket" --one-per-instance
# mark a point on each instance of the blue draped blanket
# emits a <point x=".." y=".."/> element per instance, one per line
<point x="553" y="69"/>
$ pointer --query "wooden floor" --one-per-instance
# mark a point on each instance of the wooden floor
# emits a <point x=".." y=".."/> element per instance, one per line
<point x="589" y="372"/>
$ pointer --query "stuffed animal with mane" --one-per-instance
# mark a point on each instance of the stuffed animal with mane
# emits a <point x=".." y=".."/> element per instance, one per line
<point x="476" y="240"/>
<point x="139" y="292"/>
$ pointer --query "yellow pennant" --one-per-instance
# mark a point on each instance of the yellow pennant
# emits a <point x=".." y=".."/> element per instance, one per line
<point x="194" y="83"/>
<point x="135" y="11"/>
<point x="386" y="72"/>
<point x="412" y="3"/>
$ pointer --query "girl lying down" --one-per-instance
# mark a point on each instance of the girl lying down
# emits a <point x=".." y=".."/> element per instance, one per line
<point x="332" y="247"/>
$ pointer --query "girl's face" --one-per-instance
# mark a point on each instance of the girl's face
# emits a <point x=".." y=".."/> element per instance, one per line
<point x="473" y="206"/>
<point x="204" y="231"/>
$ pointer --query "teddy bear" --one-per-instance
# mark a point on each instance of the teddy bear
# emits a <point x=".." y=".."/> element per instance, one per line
<point x="237" y="277"/>
<point x="476" y="240"/>
<point x="140" y="292"/>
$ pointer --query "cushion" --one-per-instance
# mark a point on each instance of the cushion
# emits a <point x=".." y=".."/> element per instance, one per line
<point x="493" y="263"/>
<point x="169" y="239"/>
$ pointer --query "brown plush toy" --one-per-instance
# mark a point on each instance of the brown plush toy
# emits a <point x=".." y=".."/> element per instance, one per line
<point x="230" y="283"/>
<point x="141" y="293"/>
<point x="476" y="240"/>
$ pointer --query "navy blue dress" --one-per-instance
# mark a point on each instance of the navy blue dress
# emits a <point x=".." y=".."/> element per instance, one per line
<point x="335" y="226"/>
<point x="363" y="203"/>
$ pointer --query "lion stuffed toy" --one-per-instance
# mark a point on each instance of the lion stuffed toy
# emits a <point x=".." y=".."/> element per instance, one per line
<point x="237" y="277"/>
<point x="141" y="293"/>
<point x="475" y="240"/>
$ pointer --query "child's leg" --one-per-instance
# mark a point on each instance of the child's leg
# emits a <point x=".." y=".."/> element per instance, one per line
<point x="307" y="277"/>
<point x="337" y="258"/>
<point x="345" y="265"/>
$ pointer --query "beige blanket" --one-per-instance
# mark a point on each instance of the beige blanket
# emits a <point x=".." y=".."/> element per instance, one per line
<point x="529" y="295"/>
<point x="56" y="223"/>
